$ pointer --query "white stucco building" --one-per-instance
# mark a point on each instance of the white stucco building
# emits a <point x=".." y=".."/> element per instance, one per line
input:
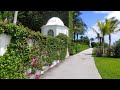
<point x="53" y="27"/>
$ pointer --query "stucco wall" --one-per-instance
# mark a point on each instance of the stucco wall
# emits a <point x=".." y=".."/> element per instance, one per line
<point x="4" y="41"/>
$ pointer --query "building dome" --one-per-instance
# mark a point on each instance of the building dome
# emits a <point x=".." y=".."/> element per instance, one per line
<point x="55" y="21"/>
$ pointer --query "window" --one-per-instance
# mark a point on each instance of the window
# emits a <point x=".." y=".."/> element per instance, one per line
<point x="50" y="33"/>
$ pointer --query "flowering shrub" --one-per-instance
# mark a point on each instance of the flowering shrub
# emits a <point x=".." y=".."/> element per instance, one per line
<point x="98" y="52"/>
<point x="20" y="60"/>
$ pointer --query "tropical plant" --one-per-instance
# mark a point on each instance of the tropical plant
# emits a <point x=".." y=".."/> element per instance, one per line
<point x="98" y="52"/>
<point x="6" y="16"/>
<point x="36" y="19"/>
<point x="99" y="36"/>
<point x="103" y="29"/>
<point x="112" y="27"/>
<point x="79" y="27"/>
<point x="116" y="48"/>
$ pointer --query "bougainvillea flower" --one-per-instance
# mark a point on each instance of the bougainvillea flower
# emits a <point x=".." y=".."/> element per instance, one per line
<point x="37" y="75"/>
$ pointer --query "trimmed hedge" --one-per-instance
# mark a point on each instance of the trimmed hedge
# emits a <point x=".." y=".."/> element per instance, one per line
<point x="18" y="56"/>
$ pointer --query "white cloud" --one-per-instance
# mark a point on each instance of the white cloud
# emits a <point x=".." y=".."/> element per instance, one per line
<point x="115" y="14"/>
<point x="106" y="12"/>
<point x="90" y="34"/>
<point x="110" y="14"/>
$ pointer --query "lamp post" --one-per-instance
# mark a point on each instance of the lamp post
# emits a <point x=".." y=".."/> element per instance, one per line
<point x="15" y="17"/>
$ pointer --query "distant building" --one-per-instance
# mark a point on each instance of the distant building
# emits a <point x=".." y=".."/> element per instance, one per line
<point x="54" y="27"/>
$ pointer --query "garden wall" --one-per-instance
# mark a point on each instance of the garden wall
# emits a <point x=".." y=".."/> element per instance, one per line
<point x="27" y="49"/>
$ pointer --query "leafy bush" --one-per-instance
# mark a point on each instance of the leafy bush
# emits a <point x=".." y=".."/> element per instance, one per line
<point x="76" y="48"/>
<point x="108" y="51"/>
<point x="93" y="44"/>
<point x="19" y="55"/>
<point x="98" y="52"/>
<point x="116" y="48"/>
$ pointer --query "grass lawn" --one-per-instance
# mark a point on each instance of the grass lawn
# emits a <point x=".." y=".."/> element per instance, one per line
<point x="109" y="68"/>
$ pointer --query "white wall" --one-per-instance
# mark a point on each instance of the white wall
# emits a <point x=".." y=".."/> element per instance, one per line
<point x="4" y="41"/>
<point x="45" y="29"/>
<point x="56" y="28"/>
<point x="67" y="55"/>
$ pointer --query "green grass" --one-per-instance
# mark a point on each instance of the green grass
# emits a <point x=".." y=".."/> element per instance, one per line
<point x="109" y="68"/>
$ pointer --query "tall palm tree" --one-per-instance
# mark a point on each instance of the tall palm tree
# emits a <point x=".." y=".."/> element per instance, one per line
<point x="112" y="27"/>
<point x="103" y="29"/>
<point x="79" y="27"/>
<point x="80" y="30"/>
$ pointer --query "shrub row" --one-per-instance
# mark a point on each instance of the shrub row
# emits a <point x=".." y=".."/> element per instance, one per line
<point x="76" y="48"/>
<point x="114" y="51"/>
<point x="18" y="56"/>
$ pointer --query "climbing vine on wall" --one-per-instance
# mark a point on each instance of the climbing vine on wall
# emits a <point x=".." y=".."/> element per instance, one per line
<point x="20" y="55"/>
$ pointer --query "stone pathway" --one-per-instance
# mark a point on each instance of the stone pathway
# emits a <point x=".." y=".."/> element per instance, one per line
<point x="79" y="66"/>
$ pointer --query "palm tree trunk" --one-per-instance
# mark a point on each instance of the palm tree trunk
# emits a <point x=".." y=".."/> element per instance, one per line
<point x="103" y="45"/>
<point x="74" y="36"/>
<point x="77" y="36"/>
<point x="100" y="41"/>
<point x="109" y="40"/>
<point x="15" y="17"/>
<point x="109" y="44"/>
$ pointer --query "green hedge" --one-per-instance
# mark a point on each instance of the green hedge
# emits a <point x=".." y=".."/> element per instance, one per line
<point x="75" y="48"/>
<point x="18" y="56"/>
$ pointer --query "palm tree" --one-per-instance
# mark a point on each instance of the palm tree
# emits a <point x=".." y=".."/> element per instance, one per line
<point x="112" y="26"/>
<point x="99" y="36"/>
<point x="79" y="27"/>
<point x="103" y="29"/>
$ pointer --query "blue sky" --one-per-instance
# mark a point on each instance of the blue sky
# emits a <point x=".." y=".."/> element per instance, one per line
<point x="91" y="18"/>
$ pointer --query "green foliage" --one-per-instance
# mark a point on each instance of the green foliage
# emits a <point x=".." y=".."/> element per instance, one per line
<point x="97" y="52"/>
<point x="66" y="42"/>
<point x="36" y="19"/>
<point x="84" y="40"/>
<point x="6" y="15"/>
<point x="19" y="54"/>
<point x="79" y="27"/>
<point x="76" y="48"/>
<point x="116" y="48"/>
<point x="93" y="44"/>
<point x="71" y="24"/>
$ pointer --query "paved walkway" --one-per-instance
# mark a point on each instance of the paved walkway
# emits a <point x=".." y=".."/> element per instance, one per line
<point x="79" y="66"/>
